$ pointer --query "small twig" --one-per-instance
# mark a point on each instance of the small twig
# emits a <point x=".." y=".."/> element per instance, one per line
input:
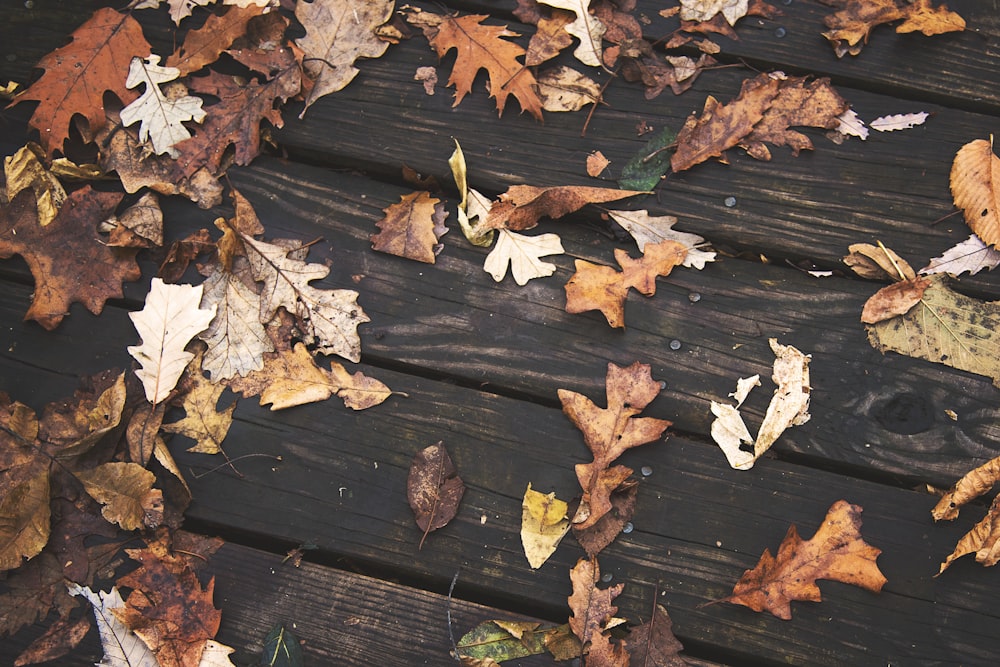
<point x="649" y="635"/>
<point x="451" y="632"/>
<point x="892" y="261"/>
<point x="944" y="217"/>
<point x="230" y="462"/>
<point x="590" y="114"/>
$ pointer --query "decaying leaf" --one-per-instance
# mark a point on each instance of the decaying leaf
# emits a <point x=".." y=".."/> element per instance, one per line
<point x="550" y="37"/>
<point x="596" y="163"/>
<point x="202" y="421"/>
<point x="653" y="643"/>
<point x="564" y="89"/>
<point x="598" y="536"/>
<point x="204" y="45"/>
<point x="24" y="520"/>
<point x="593" y="614"/>
<point x="598" y="287"/>
<point x="126" y="493"/>
<point x="647" y="229"/>
<point x="167" y="323"/>
<point x="138" y="226"/>
<point x="586" y="27"/>
<point x="646" y="168"/>
<point x="609" y="432"/>
<point x="523" y="254"/>
<point x="161" y="117"/>
<point x="971" y="255"/>
<point x="854" y="20"/>
<point x="338" y="32"/>
<point x="639" y="62"/>
<point x="984" y="538"/>
<point x="836" y="552"/>
<point x="975" y="483"/>
<point x="975" y="185"/>
<point x="878" y="263"/>
<point x="498" y="641"/>
<point x="433" y="489"/>
<point x="522" y="206"/>
<point x="24" y="169"/>
<point x="281" y="649"/>
<point x="789" y="407"/>
<point x="429" y="77"/>
<point x="894" y="300"/>
<point x="122" y="647"/>
<point x="543" y="525"/>
<point x="706" y="10"/>
<point x="902" y="121"/>
<point x="59" y="639"/>
<point x="474" y="208"/>
<point x="412" y="227"/>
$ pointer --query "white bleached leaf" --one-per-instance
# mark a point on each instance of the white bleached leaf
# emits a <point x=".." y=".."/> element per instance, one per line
<point x="903" y="121"/>
<point x="729" y="432"/>
<point x="971" y="255"/>
<point x="645" y="228"/>
<point x="167" y="323"/>
<point x="236" y="339"/>
<point x="705" y="10"/>
<point x="522" y="253"/>
<point x="852" y="125"/>
<point x="122" y="647"/>
<point x="216" y="655"/>
<point x="161" y="117"/>
<point x="586" y="28"/>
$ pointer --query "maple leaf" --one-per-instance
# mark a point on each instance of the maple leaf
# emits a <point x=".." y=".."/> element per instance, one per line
<point x="543" y="525"/>
<point x="412" y="227"/>
<point x="125" y="490"/>
<point x="836" y="552"/>
<point x="204" y="45"/>
<point x="975" y="185"/>
<point x="121" y="645"/>
<point x="592" y="615"/>
<point x="598" y="287"/>
<point x="586" y="28"/>
<point x="609" y="432"/>
<point x="523" y="254"/>
<point x="522" y="206"/>
<point x="24" y="169"/>
<point x="338" y="32"/>
<point x="483" y="47"/>
<point x="78" y="74"/>
<point x="433" y="489"/>
<point x="647" y="229"/>
<point x="166" y="324"/>
<point x="161" y="117"/>
<point x="855" y="19"/>
<point x="202" y="422"/>
<point x="970" y="255"/>
<point x="653" y="643"/>
<point x="96" y="272"/>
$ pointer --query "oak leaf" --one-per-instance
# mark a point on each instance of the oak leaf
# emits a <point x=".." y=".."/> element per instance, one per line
<point x="166" y="324"/>
<point x="96" y="272"/>
<point x="640" y="63"/>
<point x="706" y="10"/>
<point x="598" y="287"/>
<point x="122" y="647"/>
<point x="975" y="185"/>
<point x="24" y="169"/>
<point x="78" y="74"/>
<point x="593" y="614"/>
<point x="543" y="525"/>
<point x="549" y="38"/>
<point x="812" y="104"/>
<point x="595" y="538"/>
<point x="647" y="229"/>
<point x="338" y="32"/>
<point x="970" y="255"/>
<point x="564" y="89"/>
<point x="204" y="45"/>
<point x="483" y="47"/>
<point x="653" y="643"/>
<point x="836" y="552"/>
<point x="412" y="228"/>
<point x="586" y="27"/>
<point x="202" y="422"/>
<point x="854" y="20"/>
<point x="126" y="493"/>
<point x="161" y="117"/>
<point x="523" y="254"/>
<point x="521" y="206"/>
<point x="609" y="432"/>
<point x="433" y="489"/>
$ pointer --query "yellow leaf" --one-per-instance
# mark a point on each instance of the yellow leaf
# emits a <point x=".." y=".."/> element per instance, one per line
<point x="202" y="422"/>
<point x="543" y="525"/>
<point x="126" y="492"/>
<point x="24" y="169"/>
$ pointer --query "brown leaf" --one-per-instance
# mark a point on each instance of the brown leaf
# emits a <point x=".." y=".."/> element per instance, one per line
<point x="77" y="75"/>
<point x="592" y="613"/>
<point x="609" y="432"/>
<point x="878" y="263"/>
<point x="608" y="527"/>
<point x="893" y="300"/>
<point x="597" y="287"/>
<point x="126" y="492"/>
<point x="61" y="638"/>
<point x="855" y="19"/>
<point x="922" y="17"/>
<point x="143" y="432"/>
<point x="836" y="552"/>
<point x="182" y="252"/>
<point x="68" y="259"/>
<point x="483" y="47"/>
<point x="975" y="185"/>
<point x="983" y="540"/>
<point x="596" y="163"/>
<point x="813" y="104"/>
<point x="433" y="489"/>
<point x="204" y="45"/>
<point x="24" y="520"/>
<point x="522" y="206"/>
<point x="550" y="38"/>
<point x="202" y="422"/>
<point x="973" y="484"/>
<point x="263" y="48"/>
<point x="653" y="643"/>
<point x="31" y="592"/>
<point x="412" y="227"/>
<point x="640" y="63"/>
<point x="139" y="226"/>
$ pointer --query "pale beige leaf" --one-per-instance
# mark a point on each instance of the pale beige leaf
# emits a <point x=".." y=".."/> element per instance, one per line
<point x="705" y="10"/>
<point x="971" y="255"/>
<point x="790" y="404"/>
<point x="236" y="339"/>
<point x="586" y="28"/>
<point x="523" y="254"/>
<point x="852" y="125"/>
<point x="161" y="116"/>
<point x="564" y="89"/>
<point x="645" y="228"/>
<point x="948" y="328"/>
<point x="167" y="323"/>
<point x="216" y="654"/>
<point x="338" y="32"/>
<point x="543" y="525"/>
<point x="126" y="492"/>
<point x="596" y="163"/>
<point x="730" y="432"/>
<point x="122" y="647"/>
<point x="975" y="185"/>
<point x="139" y="226"/>
<point x="903" y="121"/>
<point x="877" y="263"/>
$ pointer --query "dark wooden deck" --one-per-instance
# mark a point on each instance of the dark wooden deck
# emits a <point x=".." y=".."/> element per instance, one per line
<point x="480" y="363"/>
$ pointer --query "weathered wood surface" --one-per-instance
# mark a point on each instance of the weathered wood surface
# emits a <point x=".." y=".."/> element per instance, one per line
<point x="481" y="363"/>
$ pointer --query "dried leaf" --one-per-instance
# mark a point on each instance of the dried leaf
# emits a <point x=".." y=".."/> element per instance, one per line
<point x="609" y="432"/>
<point x="592" y="615"/>
<point x="94" y="273"/>
<point x="522" y="206"/>
<point x="596" y="163"/>
<point x="216" y="655"/>
<point x="855" y="19"/>
<point x="338" y="32"/>
<point x="945" y="327"/>
<point x="61" y="637"/>
<point x="236" y="338"/>
<point x="474" y="207"/>
<point x="550" y="37"/>
<point x="975" y="483"/>
<point x="543" y="525"/>
<point x="523" y="254"/>
<point x="122" y="648"/>
<point x="640" y="63"/>
<point x="202" y="422"/>
<point x="167" y="323"/>
<point x="970" y="255"/>
<point x="564" y="89"/>
<point x="161" y="116"/>
<point x="281" y="649"/>
<point x="836" y="552"/>
<point x="597" y="287"/>
<point x="893" y="300"/>
<point x="24" y="169"/>
<point x="653" y="643"/>
<point x="983" y="540"/>
<point x="586" y="28"/>
<point x="429" y="76"/>
<point x="595" y="538"/>
<point x="77" y="75"/>
<point x="499" y="641"/>
<point x="898" y="122"/>
<point x="204" y="45"/>
<point x="850" y="124"/>
<point x="813" y="104"/>
<point x="705" y="10"/>
<point x="433" y="489"/>
<point x="975" y="185"/>
<point x="647" y="229"/>
<point x="125" y="490"/>
<point x="878" y="263"/>
<point x="412" y="227"/>
<point x="24" y="520"/>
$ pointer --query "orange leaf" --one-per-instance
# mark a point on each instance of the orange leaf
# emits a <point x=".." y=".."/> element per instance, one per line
<point x="851" y="24"/>
<point x="411" y="228"/>
<point x="609" y="432"/>
<point x="836" y="552"/>
<point x="893" y="300"/>
<point x="203" y="46"/>
<point x="592" y="615"/>
<point x="522" y="206"/>
<point x="975" y="185"/>
<point x="77" y="75"/>
<point x="597" y="287"/>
